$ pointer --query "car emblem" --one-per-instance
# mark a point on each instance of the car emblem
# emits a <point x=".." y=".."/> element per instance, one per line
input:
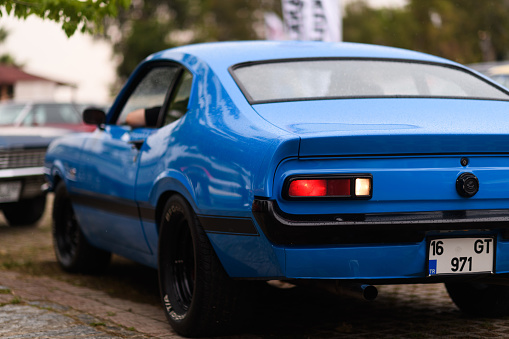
<point x="467" y="185"/>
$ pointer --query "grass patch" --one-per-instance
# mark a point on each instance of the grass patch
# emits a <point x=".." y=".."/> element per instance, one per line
<point x="12" y="264"/>
<point x="96" y="324"/>
<point x="16" y="300"/>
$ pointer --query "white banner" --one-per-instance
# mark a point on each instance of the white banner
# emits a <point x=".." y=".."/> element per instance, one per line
<point x="274" y="28"/>
<point x="318" y="20"/>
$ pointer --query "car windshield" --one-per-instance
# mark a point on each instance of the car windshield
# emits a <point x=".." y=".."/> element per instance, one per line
<point x="330" y="79"/>
<point x="39" y="114"/>
<point x="48" y="114"/>
<point x="10" y="113"/>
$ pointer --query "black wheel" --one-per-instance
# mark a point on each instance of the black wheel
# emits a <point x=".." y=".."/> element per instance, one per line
<point x="73" y="251"/>
<point x="198" y="297"/>
<point x="480" y="299"/>
<point x="25" y="212"/>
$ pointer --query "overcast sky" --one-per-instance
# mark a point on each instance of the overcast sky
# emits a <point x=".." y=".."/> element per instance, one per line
<point x="46" y="51"/>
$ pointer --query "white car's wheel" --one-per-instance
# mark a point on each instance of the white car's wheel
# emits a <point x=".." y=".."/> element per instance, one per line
<point x="25" y="212"/>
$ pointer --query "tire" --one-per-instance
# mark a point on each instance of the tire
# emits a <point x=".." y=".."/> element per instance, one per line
<point x="25" y="212"/>
<point x="74" y="253"/>
<point x="480" y="299"/>
<point x="198" y="297"/>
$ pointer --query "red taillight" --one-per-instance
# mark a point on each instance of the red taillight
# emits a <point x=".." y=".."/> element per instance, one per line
<point x="319" y="187"/>
<point x="349" y="187"/>
<point x="308" y="188"/>
<point x="338" y="187"/>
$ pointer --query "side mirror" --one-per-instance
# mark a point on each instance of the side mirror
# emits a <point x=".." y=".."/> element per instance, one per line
<point x="94" y="116"/>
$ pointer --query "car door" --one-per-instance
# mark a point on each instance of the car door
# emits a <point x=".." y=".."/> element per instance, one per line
<point x="162" y="152"/>
<point x="106" y="178"/>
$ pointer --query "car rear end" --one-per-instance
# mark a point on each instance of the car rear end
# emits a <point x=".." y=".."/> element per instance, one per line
<point x="402" y="173"/>
<point x="415" y="200"/>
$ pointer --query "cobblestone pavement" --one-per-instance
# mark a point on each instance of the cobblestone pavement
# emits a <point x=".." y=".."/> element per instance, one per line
<point x="40" y="307"/>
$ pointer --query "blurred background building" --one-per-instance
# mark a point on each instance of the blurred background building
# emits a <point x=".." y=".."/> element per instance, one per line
<point x="15" y="84"/>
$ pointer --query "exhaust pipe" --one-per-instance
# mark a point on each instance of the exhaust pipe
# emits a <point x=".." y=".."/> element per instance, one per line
<point x="367" y="292"/>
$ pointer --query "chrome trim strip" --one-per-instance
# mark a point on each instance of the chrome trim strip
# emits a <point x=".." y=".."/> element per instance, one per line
<point x="21" y="172"/>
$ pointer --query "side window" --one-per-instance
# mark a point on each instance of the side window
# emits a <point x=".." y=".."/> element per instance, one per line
<point x="150" y="92"/>
<point x="53" y="114"/>
<point x="29" y="119"/>
<point x="180" y="98"/>
<point x="39" y="116"/>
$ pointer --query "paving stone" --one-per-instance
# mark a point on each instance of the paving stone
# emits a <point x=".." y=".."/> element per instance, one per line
<point x="48" y="306"/>
<point x="56" y="309"/>
<point x="22" y="321"/>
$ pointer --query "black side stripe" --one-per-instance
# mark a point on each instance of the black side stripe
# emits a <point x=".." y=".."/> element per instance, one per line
<point x="215" y="224"/>
<point x="119" y="206"/>
<point x="147" y="213"/>
<point x="128" y="208"/>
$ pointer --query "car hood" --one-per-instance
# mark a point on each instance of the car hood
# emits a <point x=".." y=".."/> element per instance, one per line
<point x="16" y="137"/>
<point x="393" y="126"/>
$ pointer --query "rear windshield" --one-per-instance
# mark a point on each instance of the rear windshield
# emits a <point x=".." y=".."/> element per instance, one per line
<point x="330" y="79"/>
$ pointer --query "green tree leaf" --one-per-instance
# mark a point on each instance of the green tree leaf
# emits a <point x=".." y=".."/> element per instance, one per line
<point x="88" y="15"/>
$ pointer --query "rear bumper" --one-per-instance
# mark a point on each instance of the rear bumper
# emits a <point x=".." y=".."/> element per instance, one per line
<point x="371" y="247"/>
<point x="371" y="228"/>
<point x="372" y="263"/>
<point x="32" y="181"/>
<point x="13" y="173"/>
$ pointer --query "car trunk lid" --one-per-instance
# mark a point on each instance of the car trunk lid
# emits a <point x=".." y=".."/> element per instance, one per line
<point x="393" y="125"/>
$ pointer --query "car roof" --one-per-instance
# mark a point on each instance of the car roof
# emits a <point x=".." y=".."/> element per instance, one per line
<point x="32" y="103"/>
<point x="221" y="54"/>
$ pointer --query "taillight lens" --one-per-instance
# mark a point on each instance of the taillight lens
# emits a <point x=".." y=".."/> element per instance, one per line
<point x="342" y="187"/>
<point x="362" y="187"/>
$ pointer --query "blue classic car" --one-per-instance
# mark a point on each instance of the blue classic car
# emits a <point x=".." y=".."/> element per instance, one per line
<point x="346" y="164"/>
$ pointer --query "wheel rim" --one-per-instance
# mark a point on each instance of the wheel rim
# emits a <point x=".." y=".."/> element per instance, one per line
<point x="67" y="233"/>
<point x="183" y="268"/>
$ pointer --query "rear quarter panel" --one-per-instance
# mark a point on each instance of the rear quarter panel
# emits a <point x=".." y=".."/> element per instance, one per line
<point x="219" y="156"/>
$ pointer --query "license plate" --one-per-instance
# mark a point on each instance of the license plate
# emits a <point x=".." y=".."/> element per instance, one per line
<point x="9" y="191"/>
<point x="460" y="255"/>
